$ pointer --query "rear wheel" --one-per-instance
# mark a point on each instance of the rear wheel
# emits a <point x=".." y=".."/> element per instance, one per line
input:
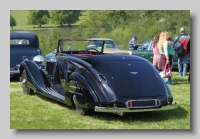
<point x="27" y="90"/>
<point x="81" y="111"/>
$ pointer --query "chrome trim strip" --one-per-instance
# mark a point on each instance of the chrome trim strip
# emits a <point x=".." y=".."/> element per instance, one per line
<point x="126" y="110"/>
<point x="134" y="72"/>
<point x="14" y="72"/>
<point x="157" y="103"/>
<point x="77" y="93"/>
<point x="72" y="86"/>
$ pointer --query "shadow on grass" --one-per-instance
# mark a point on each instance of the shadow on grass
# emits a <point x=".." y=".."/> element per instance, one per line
<point x="51" y="100"/>
<point x="44" y="27"/>
<point x="14" y="79"/>
<point x="53" y="26"/>
<point x="143" y="116"/>
<point x="177" y="113"/>
<point x="131" y="117"/>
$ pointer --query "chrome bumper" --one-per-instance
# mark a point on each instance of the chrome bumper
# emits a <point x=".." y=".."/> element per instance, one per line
<point x="14" y="71"/>
<point x="126" y="110"/>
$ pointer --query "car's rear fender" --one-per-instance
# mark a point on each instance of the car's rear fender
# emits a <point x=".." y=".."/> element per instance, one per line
<point x="78" y="86"/>
<point x="92" y="93"/>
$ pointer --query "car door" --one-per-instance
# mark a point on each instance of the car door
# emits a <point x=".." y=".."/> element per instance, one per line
<point x="139" y="52"/>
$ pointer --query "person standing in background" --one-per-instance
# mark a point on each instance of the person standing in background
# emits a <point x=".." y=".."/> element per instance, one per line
<point x="166" y="50"/>
<point x="156" y="54"/>
<point x="132" y="43"/>
<point x="184" y="39"/>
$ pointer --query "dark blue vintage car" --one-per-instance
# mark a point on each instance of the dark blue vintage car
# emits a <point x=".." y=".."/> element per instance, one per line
<point x="22" y="44"/>
<point x="91" y="80"/>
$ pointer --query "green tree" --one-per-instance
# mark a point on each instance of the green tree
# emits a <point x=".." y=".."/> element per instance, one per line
<point x="12" y="22"/>
<point x="48" y="43"/>
<point x="43" y="39"/>
<point x="38" y="17"/>
<point x="53" y="39"/>
<point x="121" y="25"/>
<point x="60" y="17"/>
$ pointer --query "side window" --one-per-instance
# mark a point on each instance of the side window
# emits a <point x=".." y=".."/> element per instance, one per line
<point x="109" y="44"/>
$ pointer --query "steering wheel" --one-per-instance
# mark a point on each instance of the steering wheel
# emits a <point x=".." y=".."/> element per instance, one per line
<point x="98" y="53"/>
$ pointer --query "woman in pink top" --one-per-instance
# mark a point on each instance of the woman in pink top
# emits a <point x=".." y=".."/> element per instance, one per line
<point x="156" y="53"/>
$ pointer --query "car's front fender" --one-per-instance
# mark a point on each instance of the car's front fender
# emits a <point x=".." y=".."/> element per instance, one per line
<point x="35" y="74"/>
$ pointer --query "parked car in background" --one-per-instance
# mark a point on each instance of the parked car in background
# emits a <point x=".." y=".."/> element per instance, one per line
<point x="110" y="46"/>
<point x="145" y="51"/>
<point x="22" y="44"/>
<point x="89" y="80"/>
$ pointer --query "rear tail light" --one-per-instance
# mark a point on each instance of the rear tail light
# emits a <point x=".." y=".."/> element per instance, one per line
<point x="129" y="104"/>
<point x="115" y="105"/>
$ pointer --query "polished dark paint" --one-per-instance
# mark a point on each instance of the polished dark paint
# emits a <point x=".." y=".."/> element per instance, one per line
<point x="94" y="75"/>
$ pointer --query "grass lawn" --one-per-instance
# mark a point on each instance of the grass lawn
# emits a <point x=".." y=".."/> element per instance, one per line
<point x="39" y="112"/>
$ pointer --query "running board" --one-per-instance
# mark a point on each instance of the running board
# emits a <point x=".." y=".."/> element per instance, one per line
<point x="53" y="93"/>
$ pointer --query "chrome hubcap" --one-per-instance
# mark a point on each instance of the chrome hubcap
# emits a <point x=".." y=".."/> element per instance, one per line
<point x="74" y="99"/>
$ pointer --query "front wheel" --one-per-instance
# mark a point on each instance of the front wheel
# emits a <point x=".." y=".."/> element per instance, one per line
<point x="27" y="90"/>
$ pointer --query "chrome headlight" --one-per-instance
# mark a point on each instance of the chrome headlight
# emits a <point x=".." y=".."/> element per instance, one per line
<point x="51" y="59"/>
<point x="38" y="59"/>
